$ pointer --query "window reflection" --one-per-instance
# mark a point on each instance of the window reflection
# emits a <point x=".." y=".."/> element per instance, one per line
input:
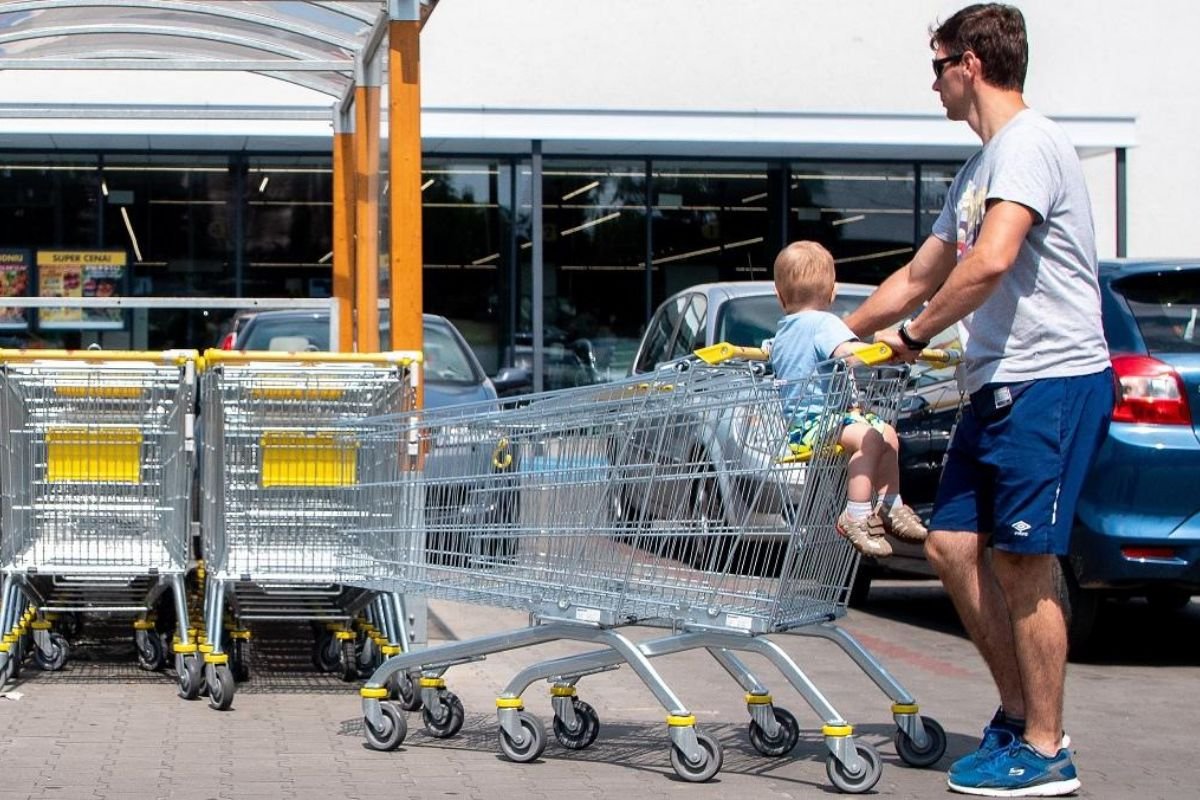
<point x="862" y="212"/>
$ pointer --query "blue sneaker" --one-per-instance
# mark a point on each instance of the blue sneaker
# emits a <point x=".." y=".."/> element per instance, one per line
<point x="1019" y="771"/>
<point x="999" y="735"/>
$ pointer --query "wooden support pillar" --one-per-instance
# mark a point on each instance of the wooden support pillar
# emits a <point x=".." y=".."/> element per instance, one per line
<point x="366" y="216"/>
<point x="404" y="132"/>
<point x="344" y="180"/>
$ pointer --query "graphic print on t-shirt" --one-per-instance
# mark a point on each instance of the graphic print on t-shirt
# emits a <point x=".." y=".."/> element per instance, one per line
<point x="970" y="217"/>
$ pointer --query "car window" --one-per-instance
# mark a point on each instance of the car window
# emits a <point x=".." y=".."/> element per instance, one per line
<point x="691" y="327"/>
<point x="658" y="335"/>
<point x="288" y="334"/>
<point x="444" y="358"/>
<point x="746" y="321"/>
<point x="1166" y="306"/>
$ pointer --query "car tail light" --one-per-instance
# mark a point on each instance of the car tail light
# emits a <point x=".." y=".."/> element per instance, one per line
<point x="1148" y="553"/>
<point x="1151" y="392"/>
<point x="227" y="341"/>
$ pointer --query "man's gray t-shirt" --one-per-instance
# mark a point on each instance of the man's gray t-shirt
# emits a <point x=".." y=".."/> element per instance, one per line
<point x="1043" y="319"/>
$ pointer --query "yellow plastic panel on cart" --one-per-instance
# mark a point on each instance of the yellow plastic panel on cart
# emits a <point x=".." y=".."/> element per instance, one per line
<point x="94" y="455"/>
<point x="291" y="458"/>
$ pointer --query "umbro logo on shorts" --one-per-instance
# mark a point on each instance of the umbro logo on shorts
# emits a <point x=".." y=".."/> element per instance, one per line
<point x="1021" y="527"/>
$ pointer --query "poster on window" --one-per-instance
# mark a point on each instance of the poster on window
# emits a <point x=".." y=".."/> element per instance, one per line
<point x="15" y="268"/>
<point x="88" y="273"/>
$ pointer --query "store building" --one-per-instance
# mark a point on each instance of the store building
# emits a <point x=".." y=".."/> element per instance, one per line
<point x="670" y="143"/>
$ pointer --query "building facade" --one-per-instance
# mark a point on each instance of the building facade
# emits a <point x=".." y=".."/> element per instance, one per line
<point x="671" y="143"/>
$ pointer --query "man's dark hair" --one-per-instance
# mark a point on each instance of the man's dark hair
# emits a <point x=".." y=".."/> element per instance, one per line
<point x="995" y="33"/>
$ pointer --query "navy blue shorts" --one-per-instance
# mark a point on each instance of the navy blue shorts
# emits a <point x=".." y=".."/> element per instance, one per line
<point x="1016" y="471"/>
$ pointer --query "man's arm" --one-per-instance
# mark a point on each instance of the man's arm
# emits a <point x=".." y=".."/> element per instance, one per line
<point x="905" y="289"/>
<point x="1005" y="226"/>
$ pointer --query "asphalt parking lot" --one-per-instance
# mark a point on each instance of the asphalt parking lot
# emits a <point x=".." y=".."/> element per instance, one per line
<point x="103" y="729"/>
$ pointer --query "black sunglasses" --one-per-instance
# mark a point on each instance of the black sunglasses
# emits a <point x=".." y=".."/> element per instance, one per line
<point x="940" y="64"/>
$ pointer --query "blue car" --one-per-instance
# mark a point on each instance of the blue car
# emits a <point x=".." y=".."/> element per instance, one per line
<point x="1138" y="522"/>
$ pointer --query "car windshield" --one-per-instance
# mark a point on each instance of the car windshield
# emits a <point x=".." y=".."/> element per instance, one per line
<point x="1166" y="306"/>
<point x="444" y="359"/>
<point x="747" y="321"/>
<point x="288" y="334"/>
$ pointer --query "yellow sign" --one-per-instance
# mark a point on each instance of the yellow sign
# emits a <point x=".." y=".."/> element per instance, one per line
<point x="80" y="273"/>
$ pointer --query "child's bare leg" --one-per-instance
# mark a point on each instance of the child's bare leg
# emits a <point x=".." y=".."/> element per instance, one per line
<point x="898" y="519"/>
<point x="857" y="523"/>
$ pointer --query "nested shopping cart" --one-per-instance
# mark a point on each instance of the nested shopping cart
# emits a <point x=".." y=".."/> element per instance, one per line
<point x="95" y="498"/>
<point x="283" y="524"/>
<point x="578" y="466"/>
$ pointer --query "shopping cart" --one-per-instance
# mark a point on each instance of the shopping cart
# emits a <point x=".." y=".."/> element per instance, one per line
<point x="920" y="741"/>
<point x="577" y="462"/>
<point x="283" y="464"/>
<point x="95" y="498"/>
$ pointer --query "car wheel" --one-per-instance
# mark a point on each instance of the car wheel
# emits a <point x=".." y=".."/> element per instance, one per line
<point x="1080" y="607"/>
<point x="861" y="586"/>
<point x="712" y="544"/>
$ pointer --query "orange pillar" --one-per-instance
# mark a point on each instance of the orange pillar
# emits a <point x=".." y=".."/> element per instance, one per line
<point x="404" y="132"/>
<point x="366" y="218"/>
<point x="344" y="181"/>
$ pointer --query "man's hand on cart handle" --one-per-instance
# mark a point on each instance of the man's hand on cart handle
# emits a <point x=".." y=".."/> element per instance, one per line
<point x="881" y="352"/>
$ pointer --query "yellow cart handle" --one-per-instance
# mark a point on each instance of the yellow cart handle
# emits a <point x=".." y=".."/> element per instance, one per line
<point x="178" y="357"/>
<point x="396" y="357"/>
<point x="870" y="354"/>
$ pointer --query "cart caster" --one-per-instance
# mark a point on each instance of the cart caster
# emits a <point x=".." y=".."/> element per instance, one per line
<point x="347" y="666"/>
<point x="447" y="719"/>
<point x="587" y="726"/>
<point x="702" y="770"/>
<point x="533" y="740"/>
<point x="855" y="782"/>
<point x="394" y="729"/>
<point x="931" y="753"/>
<point x="327" y="652"/>
<point x="188" y="670"/>
<point x="782" y="743"/>
<point x="53" y="659"/>
<point x="239" y="660"/>
<point x="405" y="692"/>
<point x="220" y="687"/>
<point x="151" y="651"/>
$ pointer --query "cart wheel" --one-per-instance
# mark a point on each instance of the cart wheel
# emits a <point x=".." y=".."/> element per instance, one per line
<point x="221" y="688"/>
<point x="188" y="672"/>
<point x="239" y="660"/>
<point x="708" y="766"/>
<point x="925" y="756"/>
<point x="151" y="652"/>
<point x="855" y="782"/>
<point x="405" y="692"/>
<point x="783" y="742"/>
<point x="394" y="729"/>
<point x="327" y="653"/>
<point x="587" y="726"/>
<point x="449" y="718"/>
<point x="56" y="658"/>
<point x="534" y="740"/>
<point x="347" y="667"/>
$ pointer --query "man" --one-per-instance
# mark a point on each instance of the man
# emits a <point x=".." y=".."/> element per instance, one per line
<point x="1013" y="256"/>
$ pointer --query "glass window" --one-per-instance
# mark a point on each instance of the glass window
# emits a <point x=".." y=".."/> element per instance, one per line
<point x="935" y="185"/>
<point x="173" y="215"/>
<point x="49" y="201"/>
<point x="711" y="223"/>
<point x="747" y="321"/>
<point x="862" y="212"/>
<point x="1166" y="306"/>
<point x="691" y="327"/>
<point x="594" y="234"/>
<point x="467" y="219"/>
<point x="289" y="227"/>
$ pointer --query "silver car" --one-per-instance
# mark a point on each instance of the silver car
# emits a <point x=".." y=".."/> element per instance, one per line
<point x="746" y="313"/>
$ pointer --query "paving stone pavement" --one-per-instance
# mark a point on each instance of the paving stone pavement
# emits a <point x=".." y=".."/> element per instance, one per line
<point x="101" y="728"/>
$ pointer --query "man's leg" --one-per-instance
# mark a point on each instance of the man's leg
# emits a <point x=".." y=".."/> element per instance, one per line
<point x="1039" y="632"/>
<point x="962" y="562"/>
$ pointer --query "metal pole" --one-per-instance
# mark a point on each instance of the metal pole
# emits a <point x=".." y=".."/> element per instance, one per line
<point x="539" y="278"/>
<point x="1122" y="207"/>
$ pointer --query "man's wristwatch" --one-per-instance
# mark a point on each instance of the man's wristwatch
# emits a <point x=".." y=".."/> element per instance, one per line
<point x="909" y="342"/>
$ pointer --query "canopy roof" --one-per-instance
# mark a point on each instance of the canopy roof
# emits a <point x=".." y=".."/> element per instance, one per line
<point x="321" y="46"/>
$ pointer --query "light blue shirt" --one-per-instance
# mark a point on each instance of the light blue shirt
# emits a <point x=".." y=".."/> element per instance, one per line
<point x="803" y="341"/>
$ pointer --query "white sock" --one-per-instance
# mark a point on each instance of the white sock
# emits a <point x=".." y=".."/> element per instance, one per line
<point x="858" y="510"/>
